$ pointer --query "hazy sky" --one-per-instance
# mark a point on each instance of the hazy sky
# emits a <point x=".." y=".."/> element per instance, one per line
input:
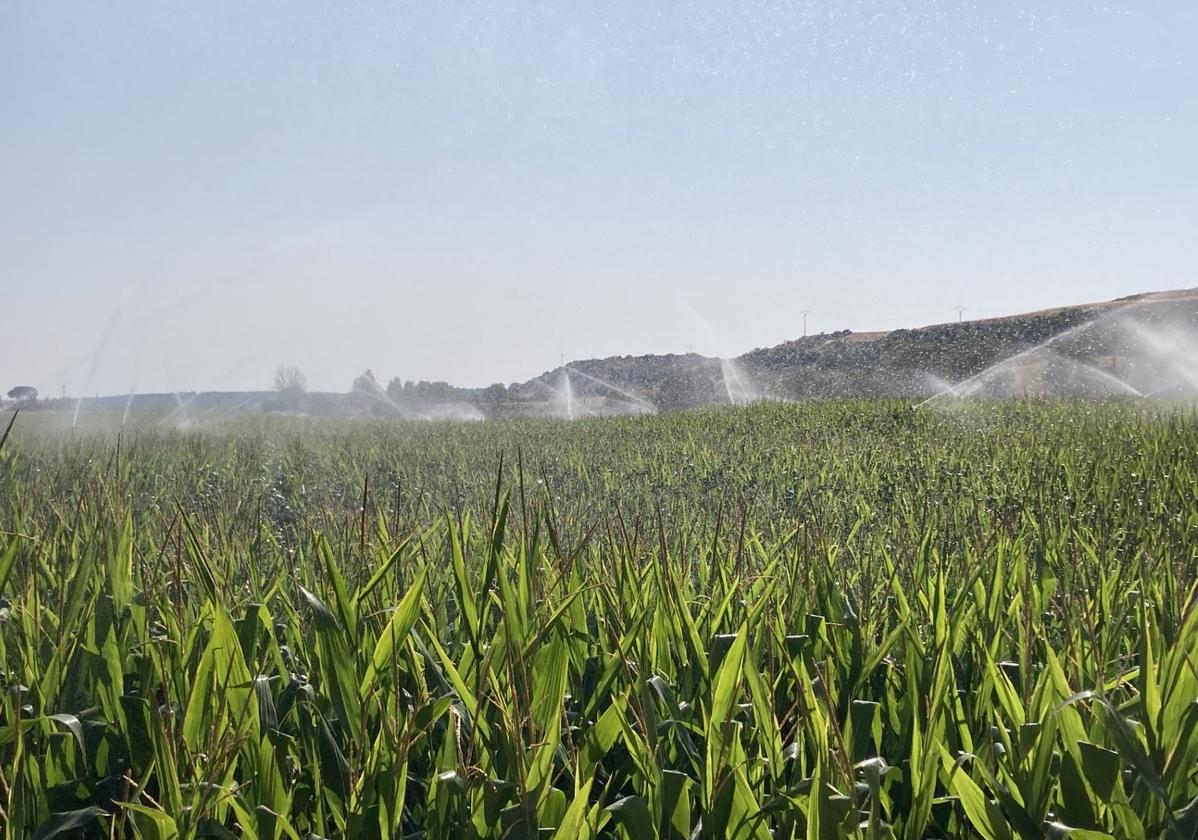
<point x="191" y="194"/>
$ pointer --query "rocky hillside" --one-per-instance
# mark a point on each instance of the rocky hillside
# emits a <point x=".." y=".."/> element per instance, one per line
<point x="1140" y="343"/>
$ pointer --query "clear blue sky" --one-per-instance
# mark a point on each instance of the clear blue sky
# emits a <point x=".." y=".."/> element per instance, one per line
<point x="191" y="194"/>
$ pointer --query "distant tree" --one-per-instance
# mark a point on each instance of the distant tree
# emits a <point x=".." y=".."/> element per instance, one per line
<point x="366" y="383"/>
<point x="23" y="392"/>
<point x="367" y="394"/>
<point x="290" y="380"/>
<point x="439" y="391"/>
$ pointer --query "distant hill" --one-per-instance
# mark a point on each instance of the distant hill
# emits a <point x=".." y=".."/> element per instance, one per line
<point x="1113" y="337"/>
<point x="1142" y="345"/>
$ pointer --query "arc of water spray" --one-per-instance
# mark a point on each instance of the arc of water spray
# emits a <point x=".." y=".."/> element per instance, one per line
<point x="1170" y="351"/>
<point x="95" y="361"/>
<point x="730" y="372"/>
<point x="954" y="390"/>
<point x="224" y="412"/>
<point x="1104" y="375"/>
<point x="633" y="397"/>
<point x="380" y="395"/>
<point x="568" y="393"/>
<point x="227" y="412"/>
<point x="181" y="406"/>
<point x="1116" y="315"/>
<point x="128" y="406"/>
<point x="558" y="394"/>
<point x="133" y="385"/>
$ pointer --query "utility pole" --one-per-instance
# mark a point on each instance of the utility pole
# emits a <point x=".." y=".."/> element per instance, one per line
<point x="806" y="312"/>
<point x="960" y="313"/>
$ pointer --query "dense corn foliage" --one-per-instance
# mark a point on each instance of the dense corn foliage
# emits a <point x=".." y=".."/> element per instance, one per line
<point x="828" y="620"/>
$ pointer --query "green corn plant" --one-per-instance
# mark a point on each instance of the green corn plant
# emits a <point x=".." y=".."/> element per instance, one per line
<point x="840" y="619"/>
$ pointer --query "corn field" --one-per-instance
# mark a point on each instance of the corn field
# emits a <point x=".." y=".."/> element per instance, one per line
<point x="818" y="621"/>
